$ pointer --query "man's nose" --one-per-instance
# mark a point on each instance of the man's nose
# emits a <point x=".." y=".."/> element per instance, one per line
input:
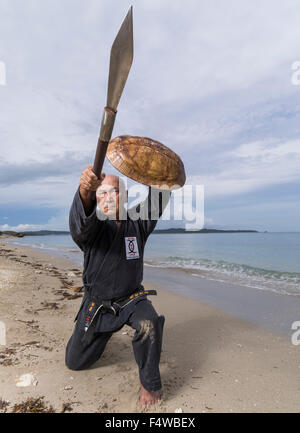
<point x="110" y="197"/>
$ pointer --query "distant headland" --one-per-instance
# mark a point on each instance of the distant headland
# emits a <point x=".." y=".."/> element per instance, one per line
<point x="13" y="234"/>
<point x="10" y="233"/>
<point x="203" y="231"/>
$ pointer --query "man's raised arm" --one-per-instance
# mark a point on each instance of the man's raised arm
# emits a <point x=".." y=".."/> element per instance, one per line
<point x="83" y="220"/>
<point x="152" y="208"/>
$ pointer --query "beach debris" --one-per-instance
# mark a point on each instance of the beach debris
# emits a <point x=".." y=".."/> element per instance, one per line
<point x="49" y="306"/>
<point x="66" y="284"/>
<point x="30" y="323"/>
<point x="7" y="352"/>
<point x="68" y="388"/>
<point x="3" y="405"/>
<point x="25" y="380"/>
<point x="179" y="410"/>
<point x="28" y="311"/>
<point x="55" y="272"/>
<point x="125" y="333"/>
<point x="69" y="296"/>
<point x="32" y="405"/>
<point x="6" y="357"/>
<point x="78" y="288"/>
<point x="71" y="275"/>
<point x="38" y="345"/>
<point x="32" y="343"/>
<point x="30" y="354"/>
<point x="66" y="407"/>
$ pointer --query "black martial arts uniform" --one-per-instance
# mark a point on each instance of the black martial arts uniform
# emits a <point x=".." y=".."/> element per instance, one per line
<point x="113" y="269"/>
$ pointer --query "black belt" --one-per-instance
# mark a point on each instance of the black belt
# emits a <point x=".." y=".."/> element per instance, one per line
<point x="112" y="307"/>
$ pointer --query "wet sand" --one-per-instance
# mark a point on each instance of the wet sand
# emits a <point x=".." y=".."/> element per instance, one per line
<point x="276" y="312"/>
<point x="211" y="361"/>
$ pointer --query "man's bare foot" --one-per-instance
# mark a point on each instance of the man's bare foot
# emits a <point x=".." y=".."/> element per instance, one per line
<point x="147" y="398"/>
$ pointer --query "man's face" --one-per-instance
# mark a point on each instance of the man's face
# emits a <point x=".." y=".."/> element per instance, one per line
<point x="108" y="197"/>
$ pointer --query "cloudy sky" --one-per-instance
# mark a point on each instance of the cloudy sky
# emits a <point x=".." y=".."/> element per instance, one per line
<point x="211" y="79"/>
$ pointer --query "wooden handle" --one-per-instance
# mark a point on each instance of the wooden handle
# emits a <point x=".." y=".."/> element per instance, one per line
<point x="100" y="157"/>
<point x="106" y="129"/>
<point x="98" y="164"/>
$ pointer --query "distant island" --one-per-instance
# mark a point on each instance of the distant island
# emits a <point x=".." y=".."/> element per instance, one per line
<point x="10" y="233"/>
<point x="203" y="231"/>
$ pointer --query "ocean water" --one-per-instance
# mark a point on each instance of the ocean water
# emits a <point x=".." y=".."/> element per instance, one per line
<point x="265" y="261"/>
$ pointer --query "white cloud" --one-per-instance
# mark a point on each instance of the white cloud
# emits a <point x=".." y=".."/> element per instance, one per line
<point x="183" y="54"/>
<point x="253" y="166"/>
<point x="211" y="79"/>
<point x="59" y="222"/>
<point x="20" y="227"/>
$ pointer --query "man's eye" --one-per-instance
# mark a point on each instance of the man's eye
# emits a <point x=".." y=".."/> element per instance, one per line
<point x="104" y="193"/>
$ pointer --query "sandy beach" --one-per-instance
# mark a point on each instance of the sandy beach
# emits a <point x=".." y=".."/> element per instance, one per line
<point x="211" y="361"/>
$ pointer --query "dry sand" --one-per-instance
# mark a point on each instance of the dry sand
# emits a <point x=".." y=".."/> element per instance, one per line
<point x="211" y="361"/>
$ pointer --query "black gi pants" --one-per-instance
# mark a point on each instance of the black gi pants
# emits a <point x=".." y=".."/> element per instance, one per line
<point x="146" y="343"/>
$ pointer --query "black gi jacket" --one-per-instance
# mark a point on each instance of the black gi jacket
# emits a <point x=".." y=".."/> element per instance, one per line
<point x="110" y="272"/>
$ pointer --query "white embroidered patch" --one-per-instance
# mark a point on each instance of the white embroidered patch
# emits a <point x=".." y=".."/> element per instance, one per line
<point x="131" y="246"/>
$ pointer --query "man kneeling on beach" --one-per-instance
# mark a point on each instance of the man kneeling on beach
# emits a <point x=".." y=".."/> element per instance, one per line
<point x="113" y="245"/>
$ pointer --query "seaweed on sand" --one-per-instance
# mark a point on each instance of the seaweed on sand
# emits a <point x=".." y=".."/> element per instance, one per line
<point x="3" y="405"/>
<point x="32" y="405"/>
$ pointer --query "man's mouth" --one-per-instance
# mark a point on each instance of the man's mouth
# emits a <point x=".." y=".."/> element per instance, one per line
<point x="108" y="207"/>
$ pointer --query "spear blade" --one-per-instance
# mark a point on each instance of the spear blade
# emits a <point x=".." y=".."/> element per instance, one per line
<point x="121" y="57"/>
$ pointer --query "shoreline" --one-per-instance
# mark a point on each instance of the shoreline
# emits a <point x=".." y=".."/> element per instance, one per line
<point x="273" y="310"/>
<point x="211" y="361"/>
<point x="280" y="280"/>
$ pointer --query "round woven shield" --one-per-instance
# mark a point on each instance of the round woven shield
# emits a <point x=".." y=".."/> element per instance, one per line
<point x="146" y="161"/>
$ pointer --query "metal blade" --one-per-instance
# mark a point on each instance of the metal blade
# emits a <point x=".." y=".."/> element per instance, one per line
<point x="121" y="57"/>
